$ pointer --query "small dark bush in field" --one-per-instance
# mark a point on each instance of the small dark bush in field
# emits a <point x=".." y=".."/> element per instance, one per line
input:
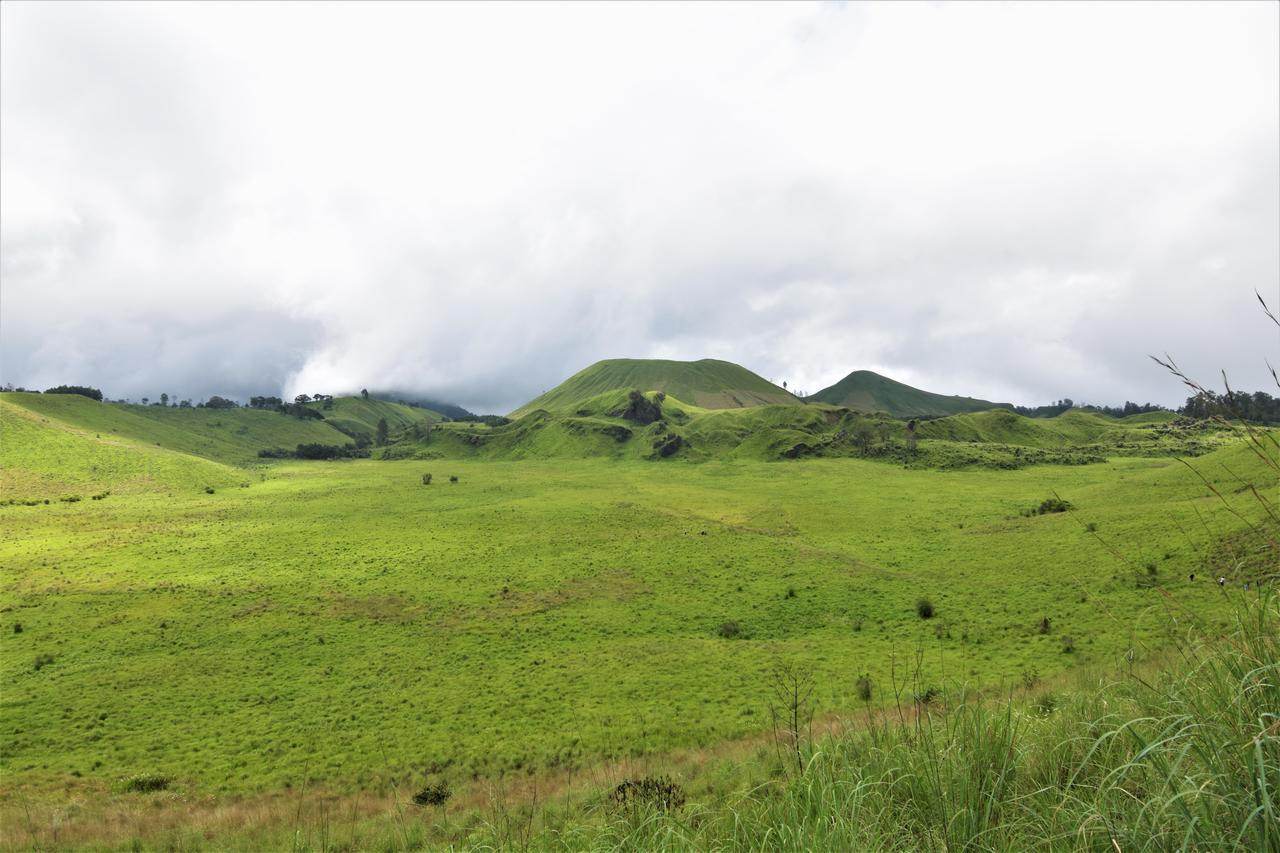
<point x="857" y="624"/>
<point x="1030" y="678"/>
<point x="101" y="496"/>
<point x="1050" y="505"/>
<point x="42" y="661"/>
<point x="791" y="592"/>
<point x="658" y="793"/>
<point x="1068" y="645"/>
<point x="453" y="478"/>
<point x="927" y="697"/>
<point x="863" y="686"/>
<point x="1045" y="625"/>
<point x="426" y="479"/>
<point x="145" y="783"/>
<point x="728" y="630"/>
<point x="435" y="794"/>
<point x="208" y="490"/>
<point x="17" y="627"/>
<point x="942" y="631"/>
<point x="69" y="499"/>
<point x="1151" y="569"/>
<point x="1092" y="527"/>
<point x="924" y="608"/>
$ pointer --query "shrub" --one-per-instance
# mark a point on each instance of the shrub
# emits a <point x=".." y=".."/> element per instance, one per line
<point x="1068" y="645"/>
<point x="863" y="686"/>
<point x="70" y="499"/>
<point x="1045" y="625"/>
<point x="1051" y="505"/>
<point x="728" y="630"/>
<point x="924" y="608"/>
<point x="145" y="783"/>
<point x="426" y="479"/>
<point x="650" y="792"/>
<point x="453" y="478"/>
<point x="208" y="490"/>
<point x="17" y="627"/>
<point x="42" y="661"/>
<point x="791" y="592"/>
<point x="434" y="794"/>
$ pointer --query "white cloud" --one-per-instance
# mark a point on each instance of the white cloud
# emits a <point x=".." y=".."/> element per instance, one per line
<point x="1016" y="201"/>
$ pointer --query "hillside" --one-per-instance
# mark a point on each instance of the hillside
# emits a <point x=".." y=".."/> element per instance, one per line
<point x="707" y="383"/>
<point x="42" y="457"/>
<point x="358" y="417"/>
<point x="866" y="391"/>
<point x="226" y="435"/>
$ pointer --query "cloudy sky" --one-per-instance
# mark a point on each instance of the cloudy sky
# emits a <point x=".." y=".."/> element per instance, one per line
<point x="1013" y="201"/>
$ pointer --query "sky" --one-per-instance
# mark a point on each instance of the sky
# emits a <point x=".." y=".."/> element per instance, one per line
<point x="1016" y="201"/>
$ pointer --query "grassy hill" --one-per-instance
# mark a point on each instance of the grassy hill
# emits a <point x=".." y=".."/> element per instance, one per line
<point x="866" y="391"/>
<point x="358" y="417"/>
<point x="226" y="435"/>
<point x="605" y="426"/>
<point x="707" y="383"/>
<point x="45" y="458"/>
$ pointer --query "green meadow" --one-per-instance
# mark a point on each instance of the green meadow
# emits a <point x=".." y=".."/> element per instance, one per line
<point x="173" y="606"/>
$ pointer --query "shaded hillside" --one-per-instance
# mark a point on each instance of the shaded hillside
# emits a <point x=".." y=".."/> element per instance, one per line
<point x="43" y="457"/>
<point x="707" y="383"/>
<point x="358" y="418"/>
<point x="225" y="435"/>
<point x="866" y="391"/>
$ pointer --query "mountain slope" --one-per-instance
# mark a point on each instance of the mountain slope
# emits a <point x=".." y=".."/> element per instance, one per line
<point x="226" y="435"/>
<point x="707" y="383"/>
<point x="358" y="417"/>
<point x="866" y="391"/>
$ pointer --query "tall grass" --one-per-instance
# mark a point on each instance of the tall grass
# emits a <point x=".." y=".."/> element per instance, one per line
<point x="1185" y="756"/>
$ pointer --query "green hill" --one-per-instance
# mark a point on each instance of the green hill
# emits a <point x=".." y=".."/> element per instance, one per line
<point x="866" y="391"/>
<point x="226" y="435"/>
<point x="358" y="417"/>
<point x="43" y="457"/>
<point x="707" y="383"/>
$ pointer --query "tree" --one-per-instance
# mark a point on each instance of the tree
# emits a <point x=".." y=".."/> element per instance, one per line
<point x="216" y="402"/>
<point x="382" y="432"/>
<point x="164" y="399"/>
<point x="364" y="393"/>
<point x="302" y="398"/>
<point x="82" y="390"/>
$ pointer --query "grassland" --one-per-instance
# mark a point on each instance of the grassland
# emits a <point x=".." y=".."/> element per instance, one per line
<point x="342" y="627"/>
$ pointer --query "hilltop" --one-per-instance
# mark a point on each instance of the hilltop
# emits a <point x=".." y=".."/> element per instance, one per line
<point x="707" y="383"/>
<point x="866" y="391"/>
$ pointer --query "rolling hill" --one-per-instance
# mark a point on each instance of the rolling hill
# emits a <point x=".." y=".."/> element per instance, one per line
<point x="707" y="383"/>
<point x="866" y="391"/>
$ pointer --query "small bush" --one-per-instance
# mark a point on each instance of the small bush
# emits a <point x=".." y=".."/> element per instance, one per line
<point x="927" y="697"/>
<point x="426" y="479"/>
<point x="453" y="478"/>
<point x="42" y="661"/>
<point x="435" y="794"/>
<point x="924" y="608"/>
<point x="651" y="792"/>
<point x="1050" y="505"/>
<point x="145" y="783"/>
<point x="208" y="490"/>
<point x="728" y="630"/>
<point x="17" y="627"/>
<point x="791" y="592"/>
<point x="70" y="499"/>
<point x="863" y="686"/>
<point x="1068" y="645"/>
<point x="1045" y="625"/>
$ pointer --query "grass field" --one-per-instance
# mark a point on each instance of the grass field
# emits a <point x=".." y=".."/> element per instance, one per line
<point x="339" y="625"/>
